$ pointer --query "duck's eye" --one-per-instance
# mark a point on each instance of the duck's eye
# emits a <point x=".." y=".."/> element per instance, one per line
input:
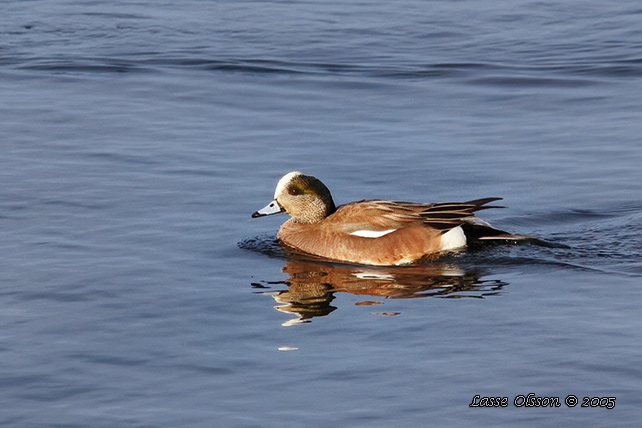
<point x="294" y="191"/>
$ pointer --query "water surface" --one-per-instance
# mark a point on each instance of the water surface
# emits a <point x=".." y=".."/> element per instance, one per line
<point x="138" y="137"/>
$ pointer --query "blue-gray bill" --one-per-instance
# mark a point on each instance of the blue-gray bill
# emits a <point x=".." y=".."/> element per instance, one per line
<point x="271" y="208"/>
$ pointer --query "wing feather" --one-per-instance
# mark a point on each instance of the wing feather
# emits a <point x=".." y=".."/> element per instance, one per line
<point x="378" y="215"/>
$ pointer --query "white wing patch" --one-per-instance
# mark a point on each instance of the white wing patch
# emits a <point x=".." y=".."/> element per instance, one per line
<point x="366" y="274"/>
<point x="454" y="238"/>
<point x="372" y="233"/>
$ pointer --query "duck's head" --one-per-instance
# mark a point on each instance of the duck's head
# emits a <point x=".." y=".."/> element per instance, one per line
<point x="304" y="197"/>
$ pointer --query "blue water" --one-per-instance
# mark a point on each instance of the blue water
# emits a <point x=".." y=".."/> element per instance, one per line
<point x="138" y="137"/>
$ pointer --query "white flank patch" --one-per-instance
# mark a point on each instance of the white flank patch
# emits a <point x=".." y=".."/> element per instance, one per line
<point x="454" y="238"/>
<point x="372" y="233"/>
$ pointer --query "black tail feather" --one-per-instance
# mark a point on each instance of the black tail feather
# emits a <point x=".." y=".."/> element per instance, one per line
<point x="483" y="233"/>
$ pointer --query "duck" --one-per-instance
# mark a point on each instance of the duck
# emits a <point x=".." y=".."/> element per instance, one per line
<point x="375" y="232"/>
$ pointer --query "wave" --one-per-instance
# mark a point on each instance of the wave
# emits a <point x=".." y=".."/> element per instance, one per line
<point x="568" y="75"/>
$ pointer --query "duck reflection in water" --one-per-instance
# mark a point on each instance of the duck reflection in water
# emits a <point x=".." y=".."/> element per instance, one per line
<point x="312" y="285"/>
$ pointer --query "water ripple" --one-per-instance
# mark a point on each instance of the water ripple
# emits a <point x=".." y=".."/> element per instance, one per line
<point x="567" y="75"/>
<point x="602" y="241"/>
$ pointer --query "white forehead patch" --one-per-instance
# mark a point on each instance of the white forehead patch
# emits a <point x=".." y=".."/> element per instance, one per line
<point x="283" y="182"/>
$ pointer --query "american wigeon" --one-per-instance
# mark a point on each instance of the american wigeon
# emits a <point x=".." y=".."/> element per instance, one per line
<point x="374" y="232"/>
